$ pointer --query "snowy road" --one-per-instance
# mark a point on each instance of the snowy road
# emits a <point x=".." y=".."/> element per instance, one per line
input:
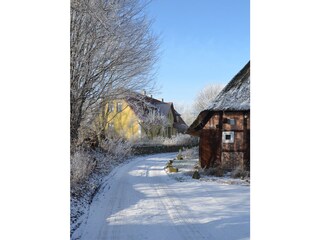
<point x="140" y="201"/>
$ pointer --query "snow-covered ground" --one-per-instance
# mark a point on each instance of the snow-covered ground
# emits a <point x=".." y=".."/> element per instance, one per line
<point x="139" y="200"/>
<point x="188" y="164"/>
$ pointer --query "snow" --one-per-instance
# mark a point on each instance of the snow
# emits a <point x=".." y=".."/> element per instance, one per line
<point x="139" y="200"/>
<point x="236" y="98"/>
<point x="236" y="94"/>
<point x="186" y="169"/>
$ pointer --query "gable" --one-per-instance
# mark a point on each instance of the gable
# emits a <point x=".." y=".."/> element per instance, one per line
<point x="236" y="94"/>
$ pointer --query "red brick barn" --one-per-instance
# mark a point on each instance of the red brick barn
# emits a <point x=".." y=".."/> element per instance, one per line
<point x="224" y="128"/>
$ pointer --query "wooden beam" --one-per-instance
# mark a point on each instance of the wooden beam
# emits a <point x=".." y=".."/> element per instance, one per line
<point x="233" y="150"/>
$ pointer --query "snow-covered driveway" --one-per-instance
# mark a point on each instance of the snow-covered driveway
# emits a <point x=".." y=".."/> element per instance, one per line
<point x="140" y="201"/>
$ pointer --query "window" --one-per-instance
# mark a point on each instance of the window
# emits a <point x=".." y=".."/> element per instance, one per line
<point x="228" y="137"/>
<point x="169" y="132"/>
<point x="110" y="107"/>
<point x="231" y="121"/>
<point x="119" y="107"/>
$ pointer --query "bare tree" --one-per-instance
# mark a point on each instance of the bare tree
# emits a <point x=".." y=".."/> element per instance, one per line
<point x="205" y="97"/>
<point x="153" y="123"/>
<point x="112" y="51"/>
<point x="186" y="111"/>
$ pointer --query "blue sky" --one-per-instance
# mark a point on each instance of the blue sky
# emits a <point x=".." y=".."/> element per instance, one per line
<point x="202" y="42"/>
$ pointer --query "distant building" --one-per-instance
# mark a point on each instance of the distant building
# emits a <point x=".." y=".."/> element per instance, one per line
<point x="138" y="115"/>
<point x="224" y="128"/>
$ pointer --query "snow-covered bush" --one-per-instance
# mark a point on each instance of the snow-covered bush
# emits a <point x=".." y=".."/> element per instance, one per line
<point x="82" y="164"/>
<point x="85" y="160"/>
<point x="117" y="149"/>
<point x="191" y="153"/>
<point x="216" y="171"/>
<point x="179" y="139"/>
<point x="153" y="123"/>
<point x="239" y="172"/>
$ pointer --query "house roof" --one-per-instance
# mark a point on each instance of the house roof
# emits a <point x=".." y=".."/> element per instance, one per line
<point x="164" y="107"/>
<point x="179" y="123"/>
<point x="140" y="102"/>
<point x="235" y="96"/>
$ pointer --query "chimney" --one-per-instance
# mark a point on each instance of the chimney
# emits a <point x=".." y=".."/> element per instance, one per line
<point x="144" y="92"/>
<point x="162" y="99"/>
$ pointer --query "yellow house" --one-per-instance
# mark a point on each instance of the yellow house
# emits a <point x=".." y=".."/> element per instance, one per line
<point x="139" y="115"/>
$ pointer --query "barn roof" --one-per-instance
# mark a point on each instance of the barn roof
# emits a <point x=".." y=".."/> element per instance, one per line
<point x="236" y="94"/>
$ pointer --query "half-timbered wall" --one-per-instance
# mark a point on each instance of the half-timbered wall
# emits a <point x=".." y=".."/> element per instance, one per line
<point x="225" y="140"/>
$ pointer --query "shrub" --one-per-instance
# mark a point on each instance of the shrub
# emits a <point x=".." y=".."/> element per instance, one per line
<point x="196" y="175"/>
<point x="239" y="172"/>
<point x="82" y="164"/>
<point x="179" y="139"/>
<point x="216" y="171"/>
<point x="85" y="160"/>
<point x="191" y="153"/>
<point x="117" y="149"/>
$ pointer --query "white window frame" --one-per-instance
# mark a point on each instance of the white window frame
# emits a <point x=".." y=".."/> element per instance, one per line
<point x="110" y="107"/>
<point x="226" y="133"/>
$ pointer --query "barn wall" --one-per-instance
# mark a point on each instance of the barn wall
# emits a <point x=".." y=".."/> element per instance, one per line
<point x="213" y="122"/>
<point x="206" y="151"/>
<point x="228" y="155"/>
<point x="231" y="160"/>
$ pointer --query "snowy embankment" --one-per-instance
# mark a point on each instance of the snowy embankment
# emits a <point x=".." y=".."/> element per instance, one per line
<point x="139" y="200"/>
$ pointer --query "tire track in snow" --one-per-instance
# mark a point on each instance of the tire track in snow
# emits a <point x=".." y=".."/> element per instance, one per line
<point x="172" y="206"/>
<point x="123" y="199"/>
<point x="141" y="201"/>
<point x="113" y="190"/>
<point x="177" y="212"/>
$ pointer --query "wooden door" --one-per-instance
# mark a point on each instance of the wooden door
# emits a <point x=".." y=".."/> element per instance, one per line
<point x="209" y="147"/>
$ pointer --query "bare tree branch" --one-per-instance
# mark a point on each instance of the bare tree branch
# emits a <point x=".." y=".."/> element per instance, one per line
<point x="112" y="51"/>
<point x="205" y="97"/>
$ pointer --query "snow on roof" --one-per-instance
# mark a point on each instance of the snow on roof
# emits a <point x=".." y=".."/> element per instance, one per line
<point x="139" y="102"/>
<point x="163" y="107"/>
<point x="236" y="95"/>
